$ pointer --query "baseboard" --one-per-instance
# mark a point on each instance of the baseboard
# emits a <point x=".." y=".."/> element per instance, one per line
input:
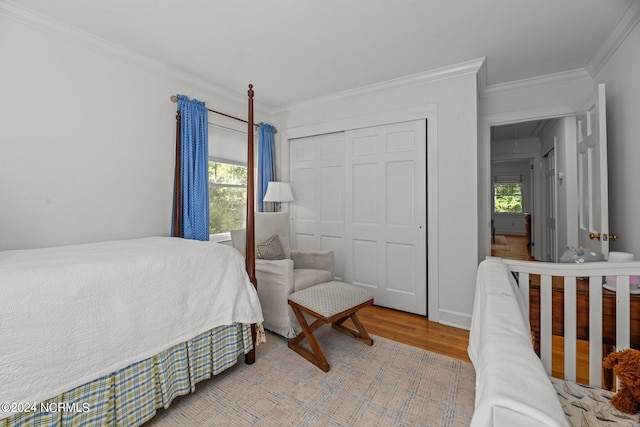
<point x="509" y="232"/>
<point x="455" y="319"/>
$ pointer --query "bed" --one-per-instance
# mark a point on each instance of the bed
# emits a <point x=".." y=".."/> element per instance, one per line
<point x="104" y="334"/>
<point x="107" y="306"/>
<point x="513" y="385"/>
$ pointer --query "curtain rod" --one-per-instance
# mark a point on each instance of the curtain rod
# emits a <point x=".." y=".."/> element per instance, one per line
<point x="175" y="99"/>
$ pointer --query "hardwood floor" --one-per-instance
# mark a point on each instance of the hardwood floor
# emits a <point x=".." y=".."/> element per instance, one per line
<point x="511" y="247"/>
<point x="515" y="247"/>
<point x="419" y="331"/>
<point x="415" y="330"/>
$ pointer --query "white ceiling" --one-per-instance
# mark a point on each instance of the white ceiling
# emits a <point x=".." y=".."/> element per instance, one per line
<point x="519" y="131"/>
<point x="294" y="50"/>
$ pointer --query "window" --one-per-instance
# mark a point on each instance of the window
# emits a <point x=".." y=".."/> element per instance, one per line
<point x="507" y="198"/>
<point x="227" y="196"/>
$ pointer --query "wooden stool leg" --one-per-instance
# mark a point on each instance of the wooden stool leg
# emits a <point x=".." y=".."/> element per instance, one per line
<point x="361" y="335"/>
<point x="316" y="356"/>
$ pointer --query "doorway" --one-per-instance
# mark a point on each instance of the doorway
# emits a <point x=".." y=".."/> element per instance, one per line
<point x="579" y="191"/>
<point x="516" y="189"/>
<point x="551" y="145"/>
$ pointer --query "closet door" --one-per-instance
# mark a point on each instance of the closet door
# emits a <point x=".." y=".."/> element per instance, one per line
<point x="362" y="193"/>
<point x="385" y="213"/>
<point x="317" y="182"/>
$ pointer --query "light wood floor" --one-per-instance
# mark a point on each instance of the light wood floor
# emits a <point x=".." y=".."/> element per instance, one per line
<point x="419" y="332"/>
<point x="415" y="330"/>
<point x="515" y="247"/>
<point x="511" y="247"/>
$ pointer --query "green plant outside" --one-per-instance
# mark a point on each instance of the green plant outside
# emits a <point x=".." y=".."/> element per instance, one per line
<point x="508" y="198"/>
<point x="227" y="197"/>
<point x="227" y="208"/>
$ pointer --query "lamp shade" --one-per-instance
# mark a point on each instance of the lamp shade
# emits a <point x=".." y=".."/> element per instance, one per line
<point x="278" y="192"/>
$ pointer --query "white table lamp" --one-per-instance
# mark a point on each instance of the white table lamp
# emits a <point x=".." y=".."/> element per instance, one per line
<point x="278" y="192"/>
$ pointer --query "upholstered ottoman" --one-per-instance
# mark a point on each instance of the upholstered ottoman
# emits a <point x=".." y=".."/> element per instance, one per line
<point x="331" y="302"/>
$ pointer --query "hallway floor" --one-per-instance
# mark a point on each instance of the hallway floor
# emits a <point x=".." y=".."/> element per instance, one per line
<point x="511" y="247"/>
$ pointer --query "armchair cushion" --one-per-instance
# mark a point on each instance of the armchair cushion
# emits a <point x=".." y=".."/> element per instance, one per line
<point x="277" y="279"/>
<point x="266" y="225"/>
<point x="269" y="223"/>
<point x="304" y="278"/>
<point x="270" y="249"/>
<point x="318" y="260"/>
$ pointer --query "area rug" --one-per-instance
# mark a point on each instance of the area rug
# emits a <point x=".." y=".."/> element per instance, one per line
<point x="387" y="384"/>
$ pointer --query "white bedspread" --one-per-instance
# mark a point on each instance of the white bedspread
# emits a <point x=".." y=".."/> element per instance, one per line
<point x="512" y="387"/>
<point x="72" y="314"/>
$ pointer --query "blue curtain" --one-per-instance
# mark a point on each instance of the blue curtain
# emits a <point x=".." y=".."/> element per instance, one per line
<point x="194" y="134"/>
<point x="266" y="161"/>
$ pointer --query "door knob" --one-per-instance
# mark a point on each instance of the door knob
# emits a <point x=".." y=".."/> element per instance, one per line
<point x="613" y="237"/>
<point x="594" y="236"/>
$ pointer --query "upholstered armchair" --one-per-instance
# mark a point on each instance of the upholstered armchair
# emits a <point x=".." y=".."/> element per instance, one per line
<point x="287" y="271"/>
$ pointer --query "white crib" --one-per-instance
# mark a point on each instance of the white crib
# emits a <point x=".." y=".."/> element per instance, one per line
<point x="595" y="273"/>
<point x="501" y="336"/>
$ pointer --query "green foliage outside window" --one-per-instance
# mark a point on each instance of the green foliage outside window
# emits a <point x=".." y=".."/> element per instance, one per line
<point x="508" y="198"/>
<point x="227" y="197"/>
<point x="226" y="173"/>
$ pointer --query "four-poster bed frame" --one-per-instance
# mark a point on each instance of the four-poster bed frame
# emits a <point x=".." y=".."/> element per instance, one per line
<point x="250" y="251"/>
<point x="250" y="227"/>
<point x="79" y="288"/>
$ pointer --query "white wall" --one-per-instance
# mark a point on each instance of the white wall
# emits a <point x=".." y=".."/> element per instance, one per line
<point x="621" y="74"/>
<point x="451" y="104"/>
<point x="88" y="137"/>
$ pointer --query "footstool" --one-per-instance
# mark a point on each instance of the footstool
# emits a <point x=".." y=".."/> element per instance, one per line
<point x="330" y="302"/>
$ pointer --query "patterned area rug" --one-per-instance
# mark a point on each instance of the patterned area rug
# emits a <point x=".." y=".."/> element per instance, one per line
<point x="388" y="384"/>
<point x="588" y="406"/>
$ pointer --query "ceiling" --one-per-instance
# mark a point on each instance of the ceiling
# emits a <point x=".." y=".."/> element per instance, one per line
<point x="520" y="131"/>
<point x="295" y="50"/>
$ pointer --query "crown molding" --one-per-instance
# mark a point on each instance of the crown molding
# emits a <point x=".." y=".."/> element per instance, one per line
<point x="442" y="73"/>
<point x="626" y="23"/>
<point x="482" y="78"/>
<point x="538" y="113"/>
<point x="101" y="46"/>
<point x="560" y="78"/>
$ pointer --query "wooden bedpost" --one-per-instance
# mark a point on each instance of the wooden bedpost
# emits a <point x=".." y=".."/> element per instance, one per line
<point x="177" y="187"/>
<point x="251" y="244"/>
<point x="250" y="230"/>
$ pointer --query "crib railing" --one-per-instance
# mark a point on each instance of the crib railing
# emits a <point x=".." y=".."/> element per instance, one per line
<point x="595" y="273"/>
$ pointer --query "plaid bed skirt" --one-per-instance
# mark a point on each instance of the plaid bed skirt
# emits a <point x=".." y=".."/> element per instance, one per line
<point x="130" y="396"/>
